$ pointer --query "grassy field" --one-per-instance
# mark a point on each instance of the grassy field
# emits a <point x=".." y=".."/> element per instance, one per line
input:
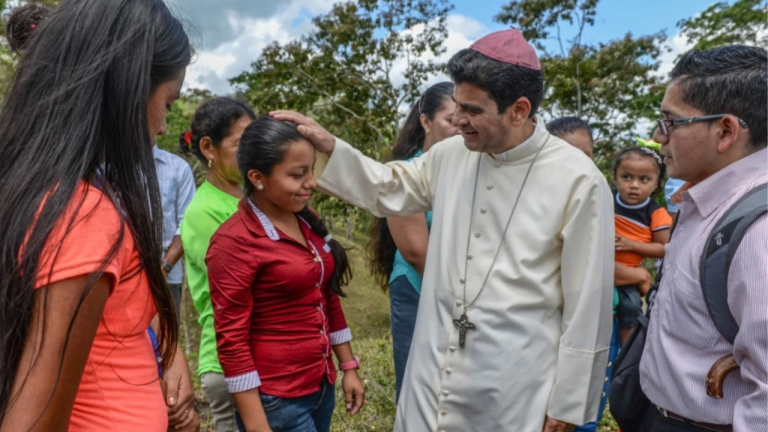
<point x="367" y="311"/>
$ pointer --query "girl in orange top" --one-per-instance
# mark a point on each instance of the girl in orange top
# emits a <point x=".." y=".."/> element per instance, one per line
<point x="642" y="225"/>
<point x="80" y="275"/>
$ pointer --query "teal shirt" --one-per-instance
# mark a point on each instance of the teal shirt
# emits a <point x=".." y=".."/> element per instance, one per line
<point x="401" y="267"/>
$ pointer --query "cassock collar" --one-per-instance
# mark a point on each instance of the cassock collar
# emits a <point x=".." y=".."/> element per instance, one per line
<point x="527" y="147"/>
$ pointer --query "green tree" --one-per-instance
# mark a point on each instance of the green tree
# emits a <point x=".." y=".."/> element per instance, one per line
<point x="613" y="85"/>
<point x="743" y="22"/>
<point x="362" y="64"/>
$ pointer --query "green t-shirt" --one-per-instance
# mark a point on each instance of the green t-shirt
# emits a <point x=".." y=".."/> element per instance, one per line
<point x="209" y="209"/>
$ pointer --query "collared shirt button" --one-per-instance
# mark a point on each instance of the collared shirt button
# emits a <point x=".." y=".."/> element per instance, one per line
<point x="462" y="280"/>
<point x="444" y="412"/>
<point x="453" y="348"/>
<point x="442" y="369"/>
<point x="449" y="371"/>
<point x="606" y="379"/>
<point x="489" y="187"/>
<point x="446" y="392"/>
<point x="610" y="364"/>
<point x="497" y="164"/>
<point x="469" y="257"/>
<point x="483" y="211"/>
<point x="477" y="235"/>
<point x="458" y="303"/>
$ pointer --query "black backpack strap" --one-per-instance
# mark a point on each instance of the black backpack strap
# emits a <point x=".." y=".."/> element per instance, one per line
<point x="651" y="296"/>
<point x="719" y="250"/>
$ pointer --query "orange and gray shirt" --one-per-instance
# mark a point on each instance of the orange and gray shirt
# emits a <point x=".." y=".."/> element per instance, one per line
<point x="638" y="222"/>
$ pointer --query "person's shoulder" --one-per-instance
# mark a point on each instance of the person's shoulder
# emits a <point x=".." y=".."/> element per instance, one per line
<point x="89" y="203"/>
<point x="572" y="162"/>
<point x="234" y="227"/>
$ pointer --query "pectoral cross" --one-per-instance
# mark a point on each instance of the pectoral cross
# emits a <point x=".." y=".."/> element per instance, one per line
<point x="463" y="325"/>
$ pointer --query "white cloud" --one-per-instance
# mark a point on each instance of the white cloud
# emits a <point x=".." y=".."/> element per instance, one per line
<point x="236" y="37"/>
<point x="219" y="59"/>
<point x="677" y="45"/>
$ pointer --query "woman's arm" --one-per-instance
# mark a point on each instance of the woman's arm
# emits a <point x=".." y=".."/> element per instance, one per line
<point x="354" y="390"/>
<point x="411" y="237"/>
<point x="54" y="356"/>
<point x="251" y="411"/>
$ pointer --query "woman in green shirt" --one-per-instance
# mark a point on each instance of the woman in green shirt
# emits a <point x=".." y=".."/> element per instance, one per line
<point x="215" y="136"/>
<point x="399" y="244"/>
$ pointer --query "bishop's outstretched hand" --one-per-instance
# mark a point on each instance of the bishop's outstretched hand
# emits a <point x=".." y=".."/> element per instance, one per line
<point x="323" y="140"/>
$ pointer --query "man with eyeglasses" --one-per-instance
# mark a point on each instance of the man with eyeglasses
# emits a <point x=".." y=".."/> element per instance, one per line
<point x="713" y="135"/>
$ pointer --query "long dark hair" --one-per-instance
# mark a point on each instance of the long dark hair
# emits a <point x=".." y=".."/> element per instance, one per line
<point x="77" y="109"/>
<point x="382" y="248"/>
<point x="263" y="145"/>
<point x="213" y="119"/>
<point x="646" y="153"/>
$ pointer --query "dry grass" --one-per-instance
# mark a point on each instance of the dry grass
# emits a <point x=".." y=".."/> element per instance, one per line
<point x="367" y="311"/>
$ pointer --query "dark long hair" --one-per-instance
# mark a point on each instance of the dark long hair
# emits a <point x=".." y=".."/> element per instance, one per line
<point x="263" y="145"/>
<point x="213" y="119"/>
<point x="646" y="153"/>
<point x="78" y="108"/>
<point x="382" y="248"/>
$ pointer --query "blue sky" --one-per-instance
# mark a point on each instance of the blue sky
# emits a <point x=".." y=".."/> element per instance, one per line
<point x="614" y="17"/>
<point x="230" y="34"/>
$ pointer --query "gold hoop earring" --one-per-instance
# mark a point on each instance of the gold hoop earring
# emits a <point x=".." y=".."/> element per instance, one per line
<point x="210" y="162"/>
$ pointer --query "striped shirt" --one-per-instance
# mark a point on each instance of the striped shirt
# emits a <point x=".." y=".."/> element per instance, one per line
<point x="683" y="342"/>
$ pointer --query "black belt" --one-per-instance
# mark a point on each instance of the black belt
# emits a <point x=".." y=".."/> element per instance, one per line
<point x="705" y="426"/>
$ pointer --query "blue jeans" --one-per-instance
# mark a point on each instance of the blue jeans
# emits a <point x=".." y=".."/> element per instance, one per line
<point x="612" y="353"/>
<point x="310" y="413"/>
<point x="404" y="302"/>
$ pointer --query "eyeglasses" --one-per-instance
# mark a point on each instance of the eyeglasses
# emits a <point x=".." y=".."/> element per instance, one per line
<point x="666" y="124"/>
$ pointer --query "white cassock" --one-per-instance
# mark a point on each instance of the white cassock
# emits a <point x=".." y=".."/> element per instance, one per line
<point x="543" y="321"/>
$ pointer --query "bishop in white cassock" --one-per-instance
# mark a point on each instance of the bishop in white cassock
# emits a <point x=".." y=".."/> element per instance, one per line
<point x="538" y="351"/>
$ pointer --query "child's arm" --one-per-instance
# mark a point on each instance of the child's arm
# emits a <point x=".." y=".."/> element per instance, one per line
<point x="625" y="275"/>
<point x="655" y="249"/>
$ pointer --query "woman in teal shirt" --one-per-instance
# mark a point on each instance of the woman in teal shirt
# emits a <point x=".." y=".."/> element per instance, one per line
<point x="214" y="139"/>
<point x="399" y="244"/>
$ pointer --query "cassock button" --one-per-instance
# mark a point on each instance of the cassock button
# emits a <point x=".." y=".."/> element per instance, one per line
<point x="322" y="332"/>
<point x="315" y="259"/>
<point x="489" y="187"/>
<point x="458" y="303"/>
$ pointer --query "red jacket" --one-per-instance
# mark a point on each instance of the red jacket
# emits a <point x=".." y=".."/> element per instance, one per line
<point x="275" y="318"/>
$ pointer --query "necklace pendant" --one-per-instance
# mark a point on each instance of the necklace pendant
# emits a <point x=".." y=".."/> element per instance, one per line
<point x="463" y="325"/>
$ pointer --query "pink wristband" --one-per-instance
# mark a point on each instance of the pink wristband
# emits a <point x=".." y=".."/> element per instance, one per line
<point x="353" y="364"/>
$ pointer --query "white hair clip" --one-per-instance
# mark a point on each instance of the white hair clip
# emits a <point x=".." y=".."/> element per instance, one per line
<point x="652" y="153"/>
